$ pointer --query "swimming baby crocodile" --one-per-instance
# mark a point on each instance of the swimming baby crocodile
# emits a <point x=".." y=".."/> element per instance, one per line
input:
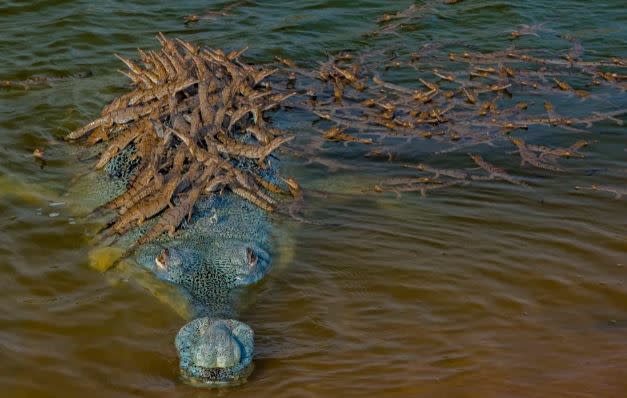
<point x="527" y="156"/>
<point x="493" y="171"/>
<point x="40" y="81"/>
<point x="618" y="192"/>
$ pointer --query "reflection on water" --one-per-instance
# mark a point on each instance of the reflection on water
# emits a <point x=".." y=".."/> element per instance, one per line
<point x="487" y="290"/>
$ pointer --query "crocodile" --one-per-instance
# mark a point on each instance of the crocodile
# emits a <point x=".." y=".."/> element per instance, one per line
<point x="527" y="156"/>
<point x="41" y="81"/>
<point x="494" y="172"/>
<point x="183" y="187"/>
<point x="618" y="192"/>
<point x="222" y="246"/>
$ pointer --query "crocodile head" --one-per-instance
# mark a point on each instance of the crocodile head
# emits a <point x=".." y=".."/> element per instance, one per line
<point x="213" y="349"/>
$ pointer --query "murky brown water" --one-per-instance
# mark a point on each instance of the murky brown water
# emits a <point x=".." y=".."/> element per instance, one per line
<point x="482" y="291"/>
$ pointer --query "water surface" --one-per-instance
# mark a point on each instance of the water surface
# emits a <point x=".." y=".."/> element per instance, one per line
<point x="481" y="291"/>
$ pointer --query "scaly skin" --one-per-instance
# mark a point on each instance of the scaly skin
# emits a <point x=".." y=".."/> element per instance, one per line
<point x="173" y="216"/>
<point x="139" y="80"/>
<point x="142" y="179"/>
<point x="203" y="91"/>
<point x="253" y="198"/>
<point x="245" y="186"/>
<point x="269" y="186"/>
<point x="120" y="102"/>
<point x="173" y="55"/>
<point x="154" y="60"/>
<point x="215" y="349"/>
<point x="167" y="65"/>
<point x="553" y="153"/>
<point x="240" y="113"/>
<point x="131" y="65"/>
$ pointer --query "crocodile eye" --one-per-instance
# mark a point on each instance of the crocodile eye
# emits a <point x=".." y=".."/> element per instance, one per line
<point x="162" y="259"/>
<point x="251" y="257"/>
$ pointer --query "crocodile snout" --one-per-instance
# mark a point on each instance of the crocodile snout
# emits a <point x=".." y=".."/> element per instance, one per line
<point x="218" y="348"/>
<point x="215" y="352"/>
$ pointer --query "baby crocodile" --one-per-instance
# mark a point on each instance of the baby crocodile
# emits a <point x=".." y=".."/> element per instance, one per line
<point x="617" y="191"/>
<point x="568" y="152"/>
<point x="529" y="157"/>
<point x="458" y="174"/>
<point x="337" y="134"/>
<point x="39" y="81"/>
<point x="494" y="171"/>
<point x="412" y="187"/>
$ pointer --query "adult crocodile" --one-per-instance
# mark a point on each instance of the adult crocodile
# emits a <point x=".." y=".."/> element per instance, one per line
<point x="224" y="248"/>
<point x="184" y="169"/>
<point x="201" y="271"/>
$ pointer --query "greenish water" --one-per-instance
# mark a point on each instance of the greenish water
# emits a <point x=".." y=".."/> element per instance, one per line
<point x="487" y="290"/>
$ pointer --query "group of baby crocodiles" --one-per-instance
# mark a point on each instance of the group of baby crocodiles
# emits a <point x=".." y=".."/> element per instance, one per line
<point x="460" y="101"/>
<point x="184" y="120"/>
<point x="193" y="128"/>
